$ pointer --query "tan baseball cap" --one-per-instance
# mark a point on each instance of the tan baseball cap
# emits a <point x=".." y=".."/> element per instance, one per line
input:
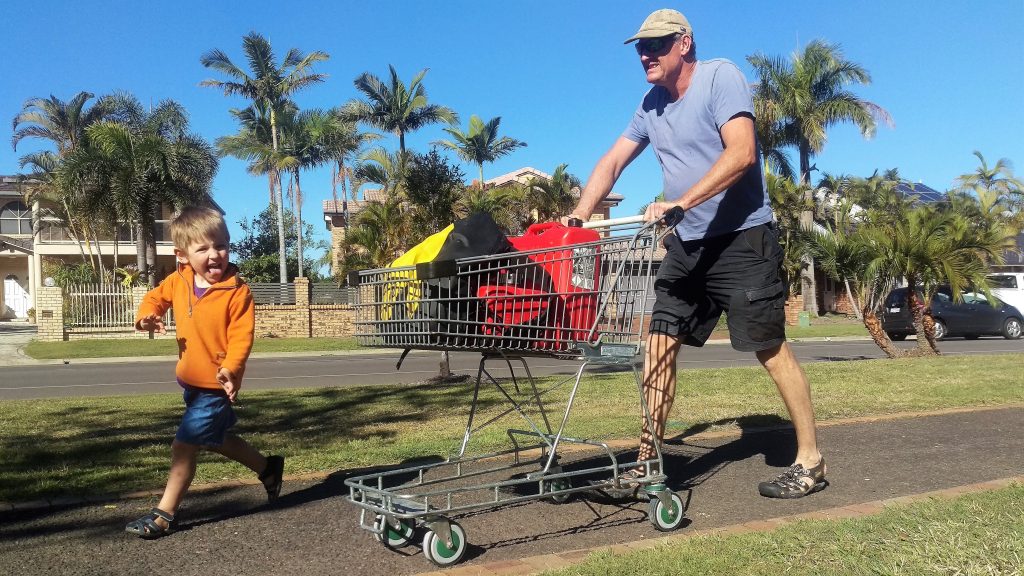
<point x="662" y="23"/>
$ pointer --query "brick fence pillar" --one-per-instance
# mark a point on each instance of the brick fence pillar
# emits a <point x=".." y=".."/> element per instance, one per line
<point x="302" y="306"/>
<point x="50" y="313"/>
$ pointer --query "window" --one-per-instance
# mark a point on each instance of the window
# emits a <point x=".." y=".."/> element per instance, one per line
<point x="1001" y="281"/>
<point x="15" y="218"/>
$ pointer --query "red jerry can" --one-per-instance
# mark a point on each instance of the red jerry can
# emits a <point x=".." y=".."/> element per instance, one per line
<point x="574" y="275"/>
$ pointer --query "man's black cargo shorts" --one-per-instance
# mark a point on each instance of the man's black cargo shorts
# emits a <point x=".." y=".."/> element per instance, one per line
<point x="738" y="273"/>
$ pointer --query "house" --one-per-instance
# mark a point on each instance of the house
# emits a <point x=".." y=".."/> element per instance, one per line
<point x="336" y="213"/>
<point x="26" y="257"/>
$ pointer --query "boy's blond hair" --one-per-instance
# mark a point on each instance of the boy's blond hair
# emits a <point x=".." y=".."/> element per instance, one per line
<point x="195" y="224"/>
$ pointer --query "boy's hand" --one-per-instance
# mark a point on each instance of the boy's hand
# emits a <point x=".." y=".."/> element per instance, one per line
<point x="228" y="383"/>
<point x="152" y="323"/>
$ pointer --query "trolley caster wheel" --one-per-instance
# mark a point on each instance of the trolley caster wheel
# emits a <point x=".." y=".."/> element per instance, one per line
<point x="440" y="552"/>
<point x="668" y="514"/>
<point x="557" y="485"/>
<point x="394" y="536"/>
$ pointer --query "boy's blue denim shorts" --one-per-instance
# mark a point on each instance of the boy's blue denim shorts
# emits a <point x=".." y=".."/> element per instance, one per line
<point x="208" y="416"/>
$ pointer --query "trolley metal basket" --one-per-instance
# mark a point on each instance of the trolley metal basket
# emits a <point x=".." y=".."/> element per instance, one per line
<point x="583" y="302"/>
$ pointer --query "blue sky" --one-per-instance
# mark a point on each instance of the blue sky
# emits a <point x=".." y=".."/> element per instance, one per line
<point x="950" y="73"/>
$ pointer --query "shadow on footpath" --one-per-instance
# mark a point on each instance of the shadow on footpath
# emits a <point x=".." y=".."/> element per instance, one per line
<point x="688" y="464"/>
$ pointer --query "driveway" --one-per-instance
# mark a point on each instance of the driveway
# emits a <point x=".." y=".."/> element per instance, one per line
<point x="14" y="335"/>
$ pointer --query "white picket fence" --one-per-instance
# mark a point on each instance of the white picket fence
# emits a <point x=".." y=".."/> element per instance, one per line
<point x="103" y="306"/>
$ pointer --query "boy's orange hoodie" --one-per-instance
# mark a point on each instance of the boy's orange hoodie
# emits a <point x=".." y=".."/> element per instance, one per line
<point x="213" y="331"/>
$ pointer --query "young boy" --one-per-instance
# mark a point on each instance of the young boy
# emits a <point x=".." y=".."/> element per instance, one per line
<point x="215" y="322"/>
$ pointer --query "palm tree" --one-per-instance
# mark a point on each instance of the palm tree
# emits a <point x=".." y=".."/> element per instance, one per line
<point x="387" y="169"/>
<point x="480" y="143"/>
<point x="137" y="166"/>
<point x="930" y="247"/>
<point x="304" y="147"/>
<point x="505" y="204"/>
<point x="805" y="97"/>
<point x="377" y="237"/>
<point x="343" y="143"/>
<point x="997" y="179"/>
<point x="63" y="124"/>
<point x="555" y="197"/>
<point x="789" y="201"/>
<point x="271" y="85"/>
<point x="396" y="108"/>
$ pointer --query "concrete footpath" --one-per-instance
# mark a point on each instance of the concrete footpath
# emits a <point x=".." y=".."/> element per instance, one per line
<point x="227" y="530"/>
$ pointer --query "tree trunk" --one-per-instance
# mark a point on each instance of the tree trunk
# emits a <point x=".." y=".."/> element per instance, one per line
<point x="99" y="257"/>
<point x="808" y="285"/>
<point x="928" y="321"/>
<point x="853" y="304"/>
<point x="282" y="257"/>
<point x="283" y="263"/>
<point x="298" y="222"/>
<point x="881" y="339"/>
<point x="446" y="369"/>
<point x="140" y="254"/>
<point x="925" y="347"/>
<point x="74" y="232"/>
<point x="151" y="252"/>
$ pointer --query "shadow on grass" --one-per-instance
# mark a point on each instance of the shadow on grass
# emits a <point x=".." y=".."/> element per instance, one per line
<point x="99" y="446"/>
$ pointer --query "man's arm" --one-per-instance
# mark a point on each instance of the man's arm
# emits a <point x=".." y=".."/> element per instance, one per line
<point x="739" y="155"/>
<point x="605" y="173"/>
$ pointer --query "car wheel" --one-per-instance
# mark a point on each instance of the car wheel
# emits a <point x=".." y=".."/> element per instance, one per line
<point x="940" y="330"/>
<point x="897" y="337"/>
<point x="1012" y="328"/>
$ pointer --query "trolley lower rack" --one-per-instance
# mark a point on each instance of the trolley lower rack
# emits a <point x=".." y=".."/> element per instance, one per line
<point x="583" y="302"/>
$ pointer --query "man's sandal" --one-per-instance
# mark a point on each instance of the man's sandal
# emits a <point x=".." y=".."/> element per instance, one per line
<point x="147" y="526"/>
<point x="795" y="482"/>
<point x="273" y="476"/>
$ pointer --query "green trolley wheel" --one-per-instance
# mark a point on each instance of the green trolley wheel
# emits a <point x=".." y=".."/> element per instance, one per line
<point x="394" y="536"/>
<point x="440" y="552"/>
<point x="666" y="516"/>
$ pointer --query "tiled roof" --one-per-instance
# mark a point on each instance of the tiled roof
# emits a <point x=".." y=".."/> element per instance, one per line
<point x="20" y="244"/>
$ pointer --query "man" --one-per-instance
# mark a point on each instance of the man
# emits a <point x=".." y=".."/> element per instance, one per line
<point x="724" y="255"/>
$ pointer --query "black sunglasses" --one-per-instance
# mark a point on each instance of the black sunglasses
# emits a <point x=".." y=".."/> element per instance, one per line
<point x="654" y="46"/>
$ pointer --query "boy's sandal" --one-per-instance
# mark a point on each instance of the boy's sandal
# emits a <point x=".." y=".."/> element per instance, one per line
<point x="795" y="482"/>
<point x="147" y="526"/>
<point x="273" y="476"/>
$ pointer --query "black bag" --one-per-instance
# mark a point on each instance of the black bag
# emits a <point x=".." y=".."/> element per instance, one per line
<point x="451" y="306"/>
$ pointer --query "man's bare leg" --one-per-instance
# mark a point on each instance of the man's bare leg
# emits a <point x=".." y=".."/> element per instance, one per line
<point x="795" y="390"/>
<point x="659" y="389"/>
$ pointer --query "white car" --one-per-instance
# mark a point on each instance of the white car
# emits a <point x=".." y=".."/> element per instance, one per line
<point x="1008" y="287"/>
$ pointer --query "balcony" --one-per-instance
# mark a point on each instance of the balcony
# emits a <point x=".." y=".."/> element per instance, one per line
<point x="53" y="233"/>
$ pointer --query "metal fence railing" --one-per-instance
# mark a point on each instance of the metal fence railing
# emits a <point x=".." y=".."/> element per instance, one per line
<point x="330" y="293"/>
<point x="272" y="293"/>
<point x="102" y="306"/>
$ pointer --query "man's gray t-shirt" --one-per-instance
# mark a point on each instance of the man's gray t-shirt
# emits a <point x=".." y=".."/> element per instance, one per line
<point x="686" y="140"/>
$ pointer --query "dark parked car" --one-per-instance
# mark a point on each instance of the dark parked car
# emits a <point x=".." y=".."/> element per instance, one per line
<point x="972" y="317"/>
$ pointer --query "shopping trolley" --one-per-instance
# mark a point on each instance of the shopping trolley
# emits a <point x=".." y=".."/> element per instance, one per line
<point x="581" y="301"/>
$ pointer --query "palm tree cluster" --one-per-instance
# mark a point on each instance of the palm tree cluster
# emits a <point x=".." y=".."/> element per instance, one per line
<point x="862" y="232"/>
<point x="116" y="163"/>
<point x="872" y="238"/>
<point x="281" y="141"/>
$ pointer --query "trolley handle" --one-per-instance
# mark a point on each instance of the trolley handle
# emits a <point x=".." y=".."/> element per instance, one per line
<point x="671" y="218"/>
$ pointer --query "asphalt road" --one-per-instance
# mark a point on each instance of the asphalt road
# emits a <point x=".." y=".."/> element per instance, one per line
<point x="147" y="376"/>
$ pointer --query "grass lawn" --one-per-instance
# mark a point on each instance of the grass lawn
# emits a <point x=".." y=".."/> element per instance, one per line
<point x="110" y="348"/>
<point x="832" y="325"/>
<point x="972" y="534"/>
<point x="88" y="446"/>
